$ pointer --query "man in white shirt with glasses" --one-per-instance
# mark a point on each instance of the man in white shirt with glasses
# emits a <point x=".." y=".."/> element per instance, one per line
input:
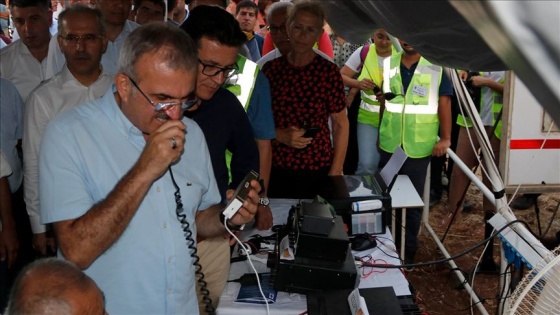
<point x="82" y="39"/>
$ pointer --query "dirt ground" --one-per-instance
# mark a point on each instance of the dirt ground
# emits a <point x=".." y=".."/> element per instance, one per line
<point x="438" y="290"/>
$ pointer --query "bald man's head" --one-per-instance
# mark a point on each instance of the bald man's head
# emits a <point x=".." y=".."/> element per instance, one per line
<point x="55" y="286"/>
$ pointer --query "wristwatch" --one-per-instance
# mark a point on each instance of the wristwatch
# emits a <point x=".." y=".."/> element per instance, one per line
<point x="264" y="201"/>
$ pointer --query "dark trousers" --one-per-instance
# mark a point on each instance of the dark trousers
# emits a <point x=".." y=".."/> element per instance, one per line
<point x="301" y="184"/>
<point x="416" y="169"/>
<point x="25" y="252"/>
<point x="437" y="167"/>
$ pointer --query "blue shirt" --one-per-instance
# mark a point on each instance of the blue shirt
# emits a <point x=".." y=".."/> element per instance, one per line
<point x="84" y="154"/>
<point x="260" y="109"/>
<point x="3" y="23"/>
<point x="255" y="46"/>
<point x="11" y="129"/>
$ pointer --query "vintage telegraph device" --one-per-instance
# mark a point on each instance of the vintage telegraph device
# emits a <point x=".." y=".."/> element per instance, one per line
<point x="363" y="202"/>
<point x="312" y="252"/>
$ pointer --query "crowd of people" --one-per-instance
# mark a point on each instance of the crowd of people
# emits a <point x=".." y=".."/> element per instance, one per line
<point x="126" y="126"/>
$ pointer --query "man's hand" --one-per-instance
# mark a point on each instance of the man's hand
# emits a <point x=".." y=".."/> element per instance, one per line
<point x="380" y="96"/>
<point x="478" y="81"/>
<point x="441" y="147"/>
<point x="247" y="212"/>
<point x="292" y="137"/>
<point x="159" y="152"/>
<point x="263" y="218"/>
<point x="9" y="243"/>
<point x="366" y="84"/>
<point x="42" y="242"/>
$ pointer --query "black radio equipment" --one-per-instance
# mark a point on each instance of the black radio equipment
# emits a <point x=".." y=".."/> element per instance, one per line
<point x="312" y="252"/>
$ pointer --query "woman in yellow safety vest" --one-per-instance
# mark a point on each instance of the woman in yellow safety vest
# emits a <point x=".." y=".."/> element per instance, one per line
<point x="368" y="62"/>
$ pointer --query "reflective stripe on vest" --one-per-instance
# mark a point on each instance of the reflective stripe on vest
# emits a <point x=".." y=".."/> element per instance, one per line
<point x="370" y="70"/>
<point x="242" y="85"/>
<point x="411" y="120"/>
<point x="243" y="82"/>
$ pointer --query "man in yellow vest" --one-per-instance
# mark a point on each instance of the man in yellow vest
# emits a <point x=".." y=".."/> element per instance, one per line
<point x="417" y="102"/>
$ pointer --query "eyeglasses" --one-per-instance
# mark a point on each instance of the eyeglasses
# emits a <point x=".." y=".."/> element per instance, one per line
<point x="212" y="70"/>
<point x="75" y="39"/>
<point x="163" y="106"/>
<point x="275" y="29"/>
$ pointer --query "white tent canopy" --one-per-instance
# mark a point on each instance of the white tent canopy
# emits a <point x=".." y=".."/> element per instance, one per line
<point x="523" y="36"/>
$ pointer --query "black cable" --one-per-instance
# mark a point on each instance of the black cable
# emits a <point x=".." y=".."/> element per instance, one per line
<point x="435" y="262"/>
<point x="531" y="231"/>
<point x="192" y="246"/>
<point x="551" y="219"/>
<point x="482" y="300"/>
<point x="390" y="240"/>
<point x="387" y="254"/>
<point x="537" y="214"/>
<point x="461" y="285"/>
<point x="504" y="289"/>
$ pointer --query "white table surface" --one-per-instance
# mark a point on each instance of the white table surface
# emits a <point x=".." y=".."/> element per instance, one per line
<point x="403" y="194"/>
<point x="291" y="303"/>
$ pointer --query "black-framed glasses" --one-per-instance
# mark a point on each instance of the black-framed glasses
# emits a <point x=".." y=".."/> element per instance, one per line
<point x="163" y="106"/>
<point x="212" y="70"/>
<point x="75" y="39"/>
<point x="275" y="29"/>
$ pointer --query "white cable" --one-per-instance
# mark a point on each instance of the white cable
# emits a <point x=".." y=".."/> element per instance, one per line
<point x="477" y="155"/>
<point x="252" y="267"/>
<point x="476" y="268"/>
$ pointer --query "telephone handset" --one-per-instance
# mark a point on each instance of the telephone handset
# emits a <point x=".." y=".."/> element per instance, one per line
<point x="240" y="194"/>
<point x="191" y="243"/>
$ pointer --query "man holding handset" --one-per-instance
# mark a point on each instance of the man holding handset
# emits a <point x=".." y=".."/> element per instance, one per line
<point x="114" y="171"/>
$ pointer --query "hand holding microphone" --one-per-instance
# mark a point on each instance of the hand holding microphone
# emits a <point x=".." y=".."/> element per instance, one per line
<point x="163" y="147"/>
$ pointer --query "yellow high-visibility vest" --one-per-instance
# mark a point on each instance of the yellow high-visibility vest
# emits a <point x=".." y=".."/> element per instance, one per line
<point x="497" y="104"/>
<point x="242" y="84"/>
<point x="370" y="106"/>
<point x="411" y="119"/>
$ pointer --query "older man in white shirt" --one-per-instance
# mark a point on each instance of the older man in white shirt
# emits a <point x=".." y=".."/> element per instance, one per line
<point x="82" y="39"/>
<point x="115" y="13"/>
